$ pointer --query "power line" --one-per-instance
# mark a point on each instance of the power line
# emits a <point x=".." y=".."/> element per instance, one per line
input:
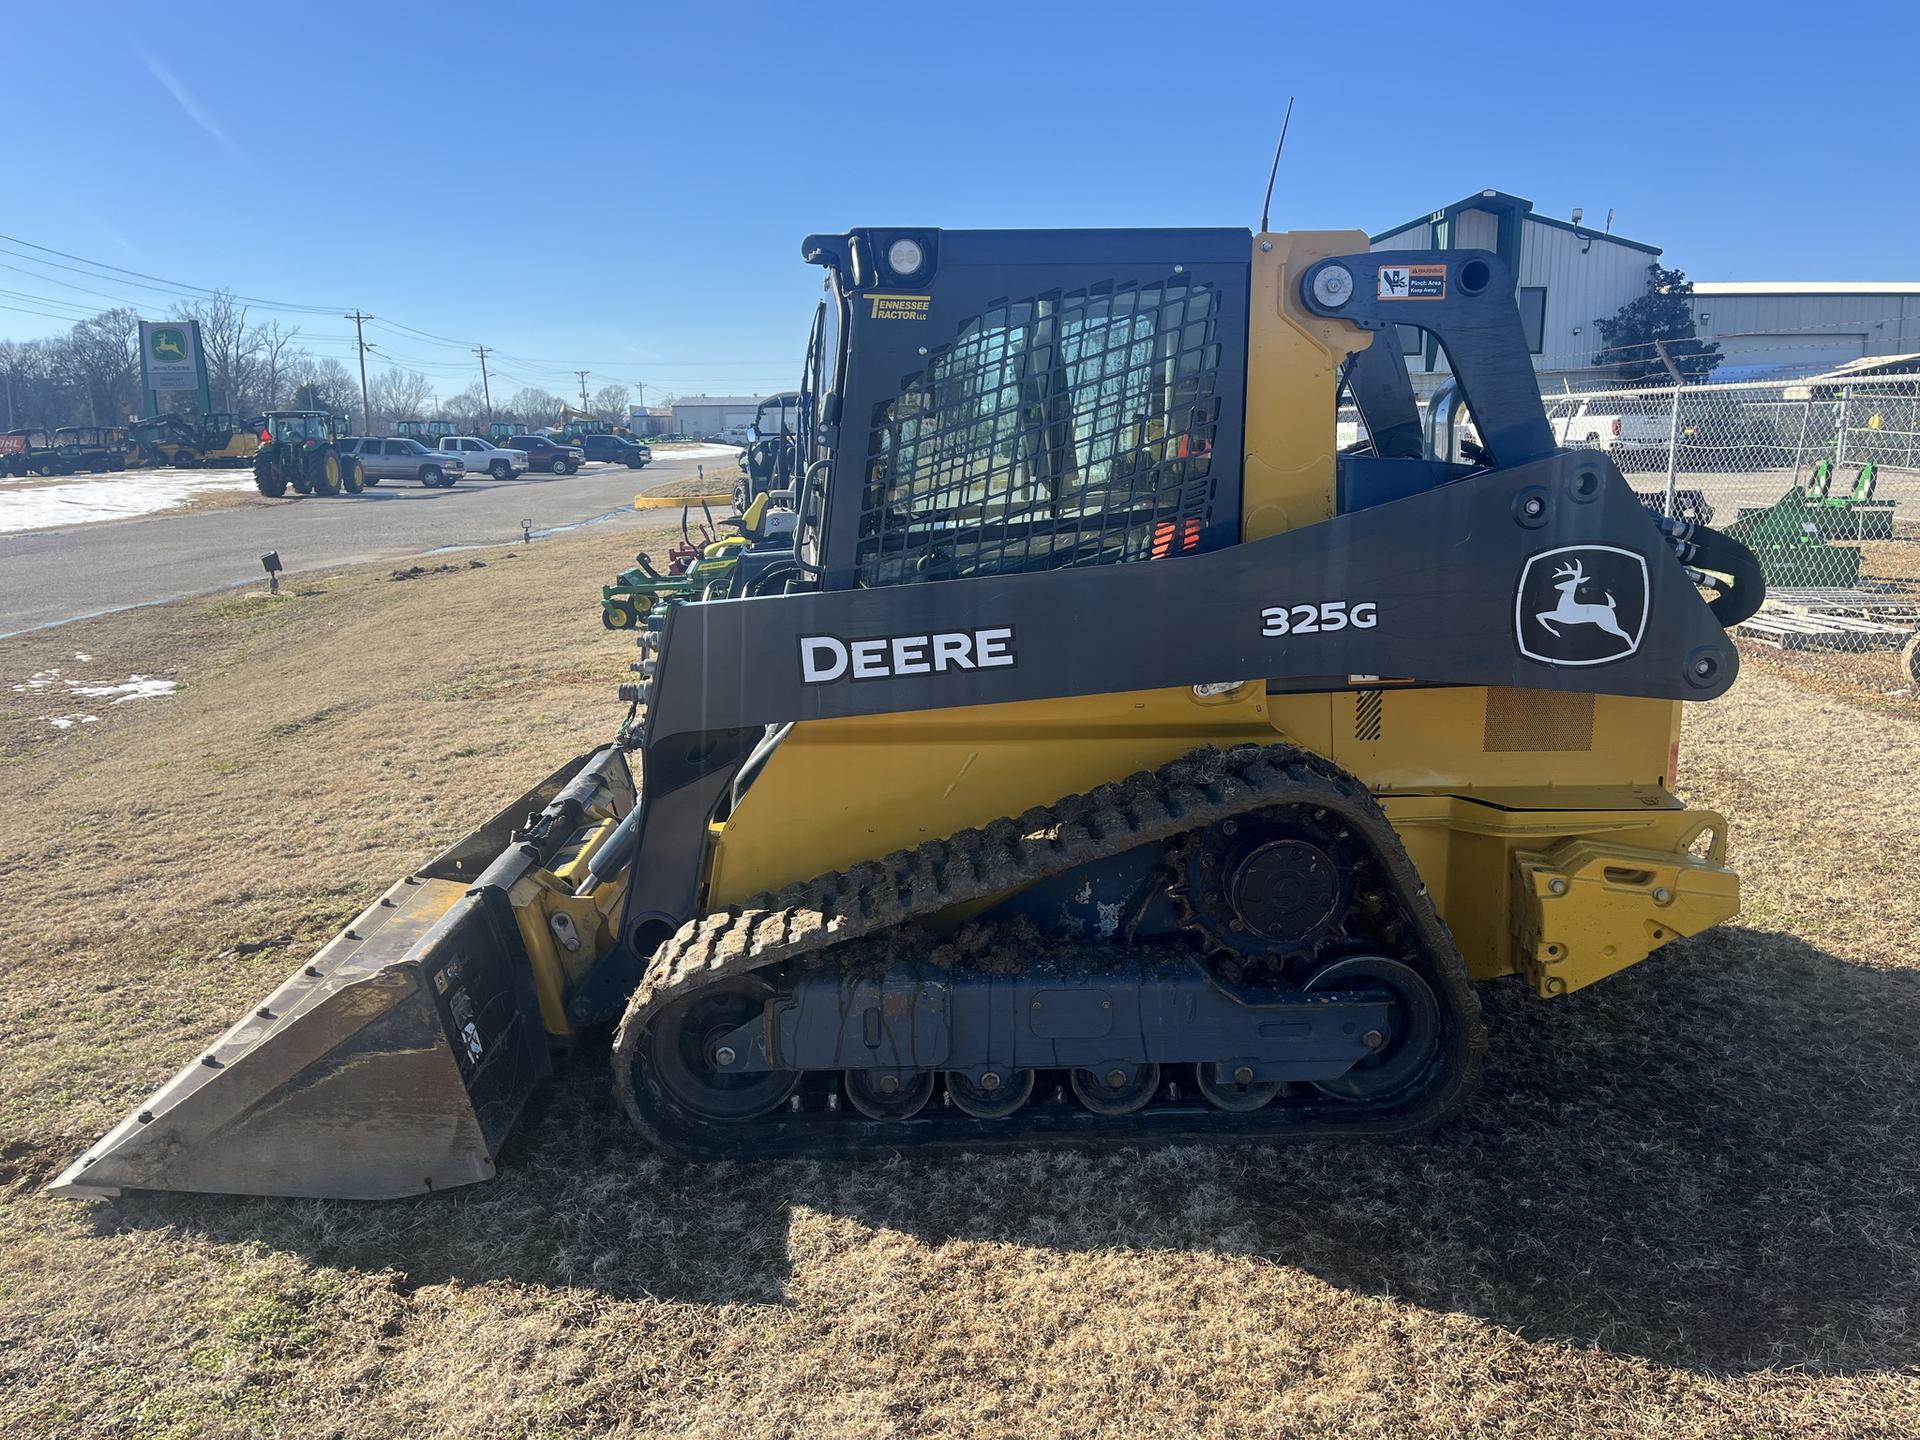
<point x="158" y="280"/>
<point x="46" y="314"/>
<point x="73" y="312"/>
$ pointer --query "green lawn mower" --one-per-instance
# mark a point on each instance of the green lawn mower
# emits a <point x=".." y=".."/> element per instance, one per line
<point x="756" y="560"/>
<point x="635" y="592"/>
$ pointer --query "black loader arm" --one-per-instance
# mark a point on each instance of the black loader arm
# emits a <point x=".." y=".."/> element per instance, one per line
<point x="1466" y="584"/>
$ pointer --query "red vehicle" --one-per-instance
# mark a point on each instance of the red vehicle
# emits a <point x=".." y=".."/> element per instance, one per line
<point x="543" y="454"/>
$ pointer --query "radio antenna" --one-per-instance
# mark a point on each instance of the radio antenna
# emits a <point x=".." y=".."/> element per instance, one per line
<point x="1266" y="205"/>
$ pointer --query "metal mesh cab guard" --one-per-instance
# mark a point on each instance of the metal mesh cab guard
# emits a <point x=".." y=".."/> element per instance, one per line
<point x="1033" y="400"/>
<point x="1065" y="429"/>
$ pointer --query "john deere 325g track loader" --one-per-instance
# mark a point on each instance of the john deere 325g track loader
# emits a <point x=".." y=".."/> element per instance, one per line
<point x="1125" y="764"/>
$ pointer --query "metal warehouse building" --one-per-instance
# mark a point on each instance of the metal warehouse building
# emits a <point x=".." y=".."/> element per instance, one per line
<point x="703" y="415"/>
<point x="1569" y="277"/>
<point x="1804" y="327"/>
<point x="1566" y="277"/>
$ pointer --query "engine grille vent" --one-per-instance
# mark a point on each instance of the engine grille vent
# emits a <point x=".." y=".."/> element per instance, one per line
<point x="1368" y="708"/>
<point x="1537" y="720"/>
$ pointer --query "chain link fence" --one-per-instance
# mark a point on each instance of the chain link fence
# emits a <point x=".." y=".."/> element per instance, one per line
<point x="1819" y="476"/>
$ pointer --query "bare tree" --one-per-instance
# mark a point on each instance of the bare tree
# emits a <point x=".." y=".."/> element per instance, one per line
<point x="467" y="409"/>
<point x="400" y="395"/>
<point x="610" y="403"/>
<point x="40" y="383"/>
<point x="324" y="384"/>
<point x="103" y="356"/>
<point x="277" y="353"/>
<point x="24" y="373"/>
<point x="534" y="406"/>
<point x="231" y="347"/>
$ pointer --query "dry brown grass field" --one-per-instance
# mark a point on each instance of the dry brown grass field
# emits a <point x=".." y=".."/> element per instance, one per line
<point x="1685" y="1202"/>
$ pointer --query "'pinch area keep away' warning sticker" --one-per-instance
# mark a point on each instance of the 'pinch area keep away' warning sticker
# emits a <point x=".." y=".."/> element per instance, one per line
<point x="1413" y="282"/>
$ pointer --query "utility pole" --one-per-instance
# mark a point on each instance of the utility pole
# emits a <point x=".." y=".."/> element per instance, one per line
<point x="366" y="405"/>
<point x="486" y="390"/>
<point x="583" y="389"/>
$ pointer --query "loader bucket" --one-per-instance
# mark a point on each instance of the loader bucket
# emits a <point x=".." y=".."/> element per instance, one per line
<point x="393" y="1063"/>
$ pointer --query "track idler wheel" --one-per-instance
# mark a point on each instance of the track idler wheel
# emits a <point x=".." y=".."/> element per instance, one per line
<point x="679" y="1057"/>
<point x="992" y="1096"/>
<point x="1116" y="1089"/>
<point x="1399" y="1056"/>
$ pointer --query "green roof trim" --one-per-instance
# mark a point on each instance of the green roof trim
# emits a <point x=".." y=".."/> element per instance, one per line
<point x="1498" y="202"/>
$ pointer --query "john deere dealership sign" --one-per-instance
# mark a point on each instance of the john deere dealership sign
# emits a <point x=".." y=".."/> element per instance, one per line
<point x="170" y="354"/>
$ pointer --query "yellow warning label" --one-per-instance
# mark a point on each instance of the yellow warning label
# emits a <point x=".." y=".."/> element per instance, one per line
<point x="900" y="307"/>
<point x="1413" y="282"/>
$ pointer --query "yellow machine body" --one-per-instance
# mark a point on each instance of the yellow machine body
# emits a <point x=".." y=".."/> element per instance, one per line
<point x="1543" y="823"/>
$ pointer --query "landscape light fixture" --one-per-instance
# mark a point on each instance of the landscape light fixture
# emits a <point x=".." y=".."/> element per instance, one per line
<point x="270" y="562"/>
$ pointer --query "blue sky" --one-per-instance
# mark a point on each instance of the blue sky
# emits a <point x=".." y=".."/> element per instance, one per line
<point x="624" y="186"/>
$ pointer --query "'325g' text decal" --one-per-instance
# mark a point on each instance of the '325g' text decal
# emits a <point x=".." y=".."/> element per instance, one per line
<point x="1327" y="616"/>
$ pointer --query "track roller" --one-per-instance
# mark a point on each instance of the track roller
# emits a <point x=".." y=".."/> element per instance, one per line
<point x="992" y="1096"/>
<point x="889" y="1094"/>
<point x="1117" y="1089"/>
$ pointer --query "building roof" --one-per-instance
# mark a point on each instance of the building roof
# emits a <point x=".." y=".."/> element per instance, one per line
<point x="1806" y="287"/>
<point x="1501" y="200"/>
<point x="1879" y="365"/>
<point x="716" y="400"/>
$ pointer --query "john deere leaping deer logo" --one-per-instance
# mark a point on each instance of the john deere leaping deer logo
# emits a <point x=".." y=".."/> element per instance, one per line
<point x="1581" y="605"/>
<point x="168" y="342"/>
<point x="1567" y="580"/>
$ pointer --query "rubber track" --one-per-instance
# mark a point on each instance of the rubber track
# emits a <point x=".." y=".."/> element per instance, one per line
<point x="1199" y="789"/>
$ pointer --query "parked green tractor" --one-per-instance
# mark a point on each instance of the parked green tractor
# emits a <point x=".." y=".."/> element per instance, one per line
<point x="428" y="432"/>
<point x="300" y="450"/>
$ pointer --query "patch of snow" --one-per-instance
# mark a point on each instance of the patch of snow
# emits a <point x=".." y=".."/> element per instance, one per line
<point x="138" y="687"/>
<point x="80" y="502"/>
<point x="82" y="657"/>
<point x="67" y="722"/>
<point x="135" y="687"/>
<point x="700" y="451"/>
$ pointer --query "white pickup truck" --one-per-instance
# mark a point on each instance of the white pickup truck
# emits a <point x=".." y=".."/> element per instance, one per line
<point x="481" y="455"/>
<point x="1633" y="430"/>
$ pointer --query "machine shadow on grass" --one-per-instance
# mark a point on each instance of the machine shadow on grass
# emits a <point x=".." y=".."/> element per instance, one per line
<point x="1708" y="1162"/>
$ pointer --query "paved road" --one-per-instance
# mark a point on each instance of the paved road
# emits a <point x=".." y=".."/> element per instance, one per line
<point x="50" y="576"/>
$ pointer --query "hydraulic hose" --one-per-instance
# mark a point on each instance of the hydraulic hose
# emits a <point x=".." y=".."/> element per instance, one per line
<point x="1722" y="558"/>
